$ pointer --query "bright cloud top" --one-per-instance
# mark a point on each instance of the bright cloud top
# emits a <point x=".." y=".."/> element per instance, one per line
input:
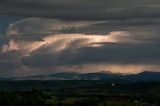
<point x="63" y="41"/>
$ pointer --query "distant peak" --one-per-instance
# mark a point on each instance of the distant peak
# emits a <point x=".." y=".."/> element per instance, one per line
<point x="148" y="72"/>
<point x="107" y="72"/>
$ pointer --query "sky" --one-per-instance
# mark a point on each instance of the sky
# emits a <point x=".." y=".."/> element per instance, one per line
<point x="47" y="36"/>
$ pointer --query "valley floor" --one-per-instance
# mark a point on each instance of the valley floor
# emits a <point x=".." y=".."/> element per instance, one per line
<point x="79" y="93"/>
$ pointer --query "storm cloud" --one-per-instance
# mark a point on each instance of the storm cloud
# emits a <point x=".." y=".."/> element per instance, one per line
<point x="43" y="36"/>
<point x="82" y="9"/>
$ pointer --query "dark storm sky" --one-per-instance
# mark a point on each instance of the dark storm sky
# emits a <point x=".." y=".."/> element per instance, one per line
<point x="43" y="36"/>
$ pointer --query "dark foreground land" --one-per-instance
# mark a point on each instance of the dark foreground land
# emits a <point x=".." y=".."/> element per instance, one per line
<point x="79" y="93"/>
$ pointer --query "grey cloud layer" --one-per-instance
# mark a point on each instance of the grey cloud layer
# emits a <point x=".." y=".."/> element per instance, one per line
<point x="108" y="54"/>
<point x="45" y="26"/>
<point x="82" y="9"/>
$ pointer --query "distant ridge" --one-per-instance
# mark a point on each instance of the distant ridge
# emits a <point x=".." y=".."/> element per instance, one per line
<point x="145" y="75"/>
<point x="102" y="75"/>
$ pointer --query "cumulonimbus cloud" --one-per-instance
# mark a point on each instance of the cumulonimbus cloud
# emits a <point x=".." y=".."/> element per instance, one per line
<point x="50" y="30"/>
<point x="63" y="41"/>
<point x="41" y="45"/>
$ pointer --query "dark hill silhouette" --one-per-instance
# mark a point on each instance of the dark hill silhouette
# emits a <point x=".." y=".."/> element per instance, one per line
<point x="143" y="76"/>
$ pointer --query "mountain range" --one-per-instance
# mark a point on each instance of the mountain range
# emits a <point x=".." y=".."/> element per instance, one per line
<point x="143" y="76"/>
